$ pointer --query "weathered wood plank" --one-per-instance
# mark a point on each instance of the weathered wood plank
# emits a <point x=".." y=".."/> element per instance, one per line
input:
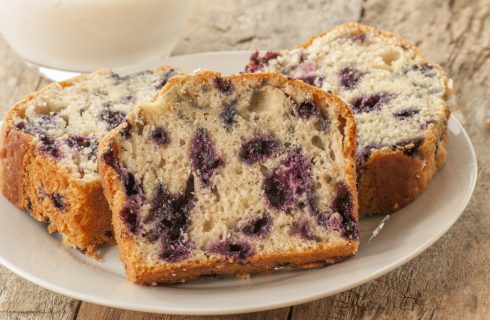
<point x="450" y="280"/>
<point x="252" y="24"/>
<point x="91" y="311"/>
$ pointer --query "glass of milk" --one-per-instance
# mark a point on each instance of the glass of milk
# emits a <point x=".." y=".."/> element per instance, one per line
<point x="61" y="37"/>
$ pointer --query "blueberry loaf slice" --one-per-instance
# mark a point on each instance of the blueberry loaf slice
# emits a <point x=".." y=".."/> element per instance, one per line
<point x="398" y="100"/>
<point x="49" y="149"/>
<point x="231" y="175"/>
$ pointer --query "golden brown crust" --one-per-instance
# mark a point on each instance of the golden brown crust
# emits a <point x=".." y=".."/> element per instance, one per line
<point x="390" y="179"/>
<point x="28" y="178"/>
<point x="139" y="272"/>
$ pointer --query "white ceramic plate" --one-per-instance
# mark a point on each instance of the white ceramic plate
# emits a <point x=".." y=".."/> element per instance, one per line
<point x="28" y="250"/>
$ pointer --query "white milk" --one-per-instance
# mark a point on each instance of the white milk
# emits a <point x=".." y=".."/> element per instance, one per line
<point x="84" y="35"/>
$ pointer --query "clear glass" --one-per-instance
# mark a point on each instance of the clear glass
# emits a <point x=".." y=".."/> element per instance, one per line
<point x="64" y="37"/>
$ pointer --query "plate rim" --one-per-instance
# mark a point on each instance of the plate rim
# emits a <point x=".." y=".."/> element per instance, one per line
<point x="261" y="306"/>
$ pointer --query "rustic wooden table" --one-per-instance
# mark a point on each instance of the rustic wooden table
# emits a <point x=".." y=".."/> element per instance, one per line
<point x="448" y="281"/>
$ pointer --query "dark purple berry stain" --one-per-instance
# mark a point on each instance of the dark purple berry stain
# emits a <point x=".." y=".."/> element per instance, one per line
<point x="342" y="204"/>
<point x="126" y="131"/>
<point x="204" y="157"/>
<point x="302" y="228"/>
<point x="406" y="114"/>
<point x="79" y="142"/>
<point x="363" y="154"/>
<point x="423" y="68"/>
<point x="169" y="215"/>
<point x="21" y="125"/>
<point x="227" y="115"/>
<point x="257" y="62"/>
<point x="359" y="38"/>
<point x="159" y="136"/>
<point x="50" y="146"/>
<point x="305" y="109"/>
<point x="258" y="227"/>
<point x="371" y="102"/>
<point x="350" y="77"/>
<point x="164" y="79"/>
<point x="223" y="85"/>
<point x="237" y="249"/>
<point x="108" y="157"/>
<point x="57" y="201"/>
<point x="410" y="147"/>
<point x="288" y="181"/>
<point x="111" y="117"/>
<point x="259" y="148"/>
<point x="339" y="216"/>
<point x="129" y="214"/>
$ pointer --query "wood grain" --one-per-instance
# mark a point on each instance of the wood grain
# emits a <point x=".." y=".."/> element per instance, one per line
<point x="448" y="281"/>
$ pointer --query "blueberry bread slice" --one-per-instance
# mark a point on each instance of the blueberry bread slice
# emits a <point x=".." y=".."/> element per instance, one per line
<point x="231" y="175"/>
<point x="49" y="149"/>
<point x="398" y="100"/>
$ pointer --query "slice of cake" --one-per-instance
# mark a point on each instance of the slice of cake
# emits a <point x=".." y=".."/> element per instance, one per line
<point x="49" y="150"/>
<point x="398" y="100"/>
<point x="231" y="175"/>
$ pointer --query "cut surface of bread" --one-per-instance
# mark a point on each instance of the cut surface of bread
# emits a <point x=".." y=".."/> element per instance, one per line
<point x="49" y="150"/>
<point x="398" y="100"/>
<point x="228" y="175"/>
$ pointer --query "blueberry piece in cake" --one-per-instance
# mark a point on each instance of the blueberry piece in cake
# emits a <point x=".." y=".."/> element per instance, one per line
<point x="370" y="103"/>
<point x="258" y="226"/>
<point x="226" y="196"/>
<point x="349" y="77"/>
<point x="205" y="159"/>
<point x="259" y="148"/>
<point x="395" y="95"/>
<point x="58" y="130"/>
<point x="159" y="136"/>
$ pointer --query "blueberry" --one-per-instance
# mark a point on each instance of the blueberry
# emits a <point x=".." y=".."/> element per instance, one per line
<point x="305" y="109"/>
<point x="126" y="131"/>
<point x="111" y="117"/>
<point x="258" y="227"/>
<point x="129" y="214"/>
<point x="259" y="148"/>
<point x="227" y="115"/>
<point x="174" y="252"/>
<point x="57" y="200"/>
<point x="21" y="125"/>
<point x="363" y="154"/>
<point x="350" y="77"/>
<point x="169" y="216"/>
<point x="159" y="136"/>
<point x="405" y="114"/>
<point x="223" y="85"/>
<point x="302" y="228"/>
<point x="371" y="102"/>
<point x="257" y="62"/>
<point x="164" y="79"/>
<point x="237" y="249"/>
<point x="288" y="181"/>
<point x="342" y="204"/>
<point x="359" y="38"/>
<point x="204" y="157"/>
<point x="423" y="68"/>
<point x="50" y="147"/>
<point x="79" y="142"/>
<point x="410" y="147"/>
<point x="130" y="185"/>
<point x="109" y="158"/>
